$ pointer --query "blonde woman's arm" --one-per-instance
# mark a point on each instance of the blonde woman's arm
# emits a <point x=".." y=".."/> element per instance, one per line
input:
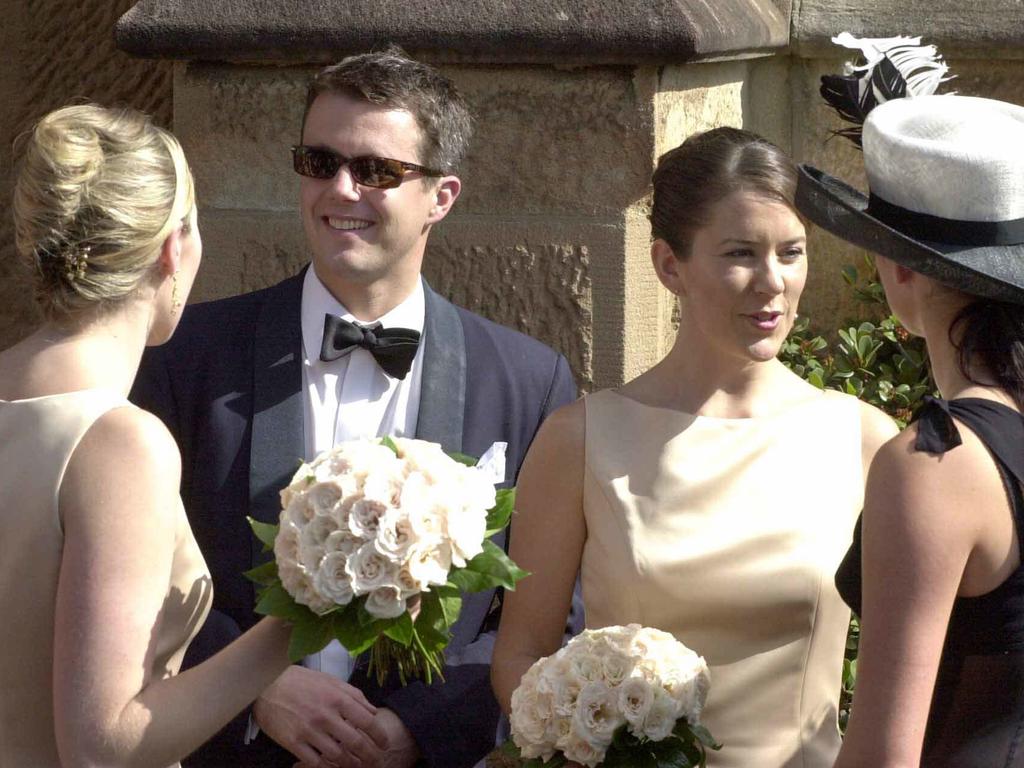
<point x="118" y="502"/>
<point x="546" y="539"/>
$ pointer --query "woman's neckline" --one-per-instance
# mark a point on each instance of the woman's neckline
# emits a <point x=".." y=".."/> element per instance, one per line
<point x="787" y="408"/>
<point x="56" y="395"/>
<point x="987" y="400"/>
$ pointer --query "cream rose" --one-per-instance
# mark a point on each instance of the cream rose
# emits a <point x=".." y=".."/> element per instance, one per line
<point x="385" y="602"/>
<point x="364" y="517"/>
<point x="395" y="536"/>
<point x="597" y="714"/>
<point x="636" y="696"/>
<point x="369" y="569"/>
<point x="429" y="564"/>
<point x="661" y="717"/>
<point x="332" y="580"/>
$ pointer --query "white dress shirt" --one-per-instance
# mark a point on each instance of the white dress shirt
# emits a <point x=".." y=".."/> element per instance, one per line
<point x="348" y="399"/>
<point x="351" y="398"/>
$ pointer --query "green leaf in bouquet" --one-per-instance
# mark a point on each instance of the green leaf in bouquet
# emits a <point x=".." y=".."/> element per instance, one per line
<point x="353" y="633"/>
<point x="451" y="603"/>
<point x="265" y="532"/>
<point x="275" y="601"/>
<point x="469" y="580"/>
<point x="692" y="754"/>
<point x="264" y="575"/>
<point x="310" y="634"/>
<point x="695" y="740"/>
<point x="639" y="757"/>
<point x="499" y="515"/>
<point x="387" y="442"/>
<point x="496" y="568"/>
<point x="511" y="752"/>
<point x="365" y="617"/>
<point x="432" y="625"/>
<point x="400" y="630"/>
<point x="462" y="458"/>
<point x="704" y="736"/>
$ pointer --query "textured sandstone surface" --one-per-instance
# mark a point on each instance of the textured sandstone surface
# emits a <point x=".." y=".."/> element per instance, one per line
<point x="560" y="32"/>
<point x="574" y="103"/>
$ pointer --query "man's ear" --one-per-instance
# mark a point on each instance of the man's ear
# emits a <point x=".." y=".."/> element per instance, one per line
<point x="666" y="265"/>
<point x="445" y="193"/>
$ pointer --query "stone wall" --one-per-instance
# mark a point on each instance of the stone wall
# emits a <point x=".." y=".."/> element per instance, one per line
<point x="55" y="52"/>
<point x="551" y="233"/>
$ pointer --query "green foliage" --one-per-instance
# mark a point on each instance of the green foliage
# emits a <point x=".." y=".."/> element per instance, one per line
<point x="501" y="513"/>
<point x="874" y="358"/>
<point x="849" y="672"/>
<point x="685" y="747"/>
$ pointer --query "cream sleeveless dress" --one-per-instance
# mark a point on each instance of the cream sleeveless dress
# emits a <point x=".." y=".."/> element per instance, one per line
<point x="37" y="437"/>
<point x="727" y="533"/>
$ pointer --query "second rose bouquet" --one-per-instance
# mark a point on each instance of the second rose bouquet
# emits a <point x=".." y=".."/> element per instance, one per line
<point x="619" y="697"/>
<point x="376" y="542"/>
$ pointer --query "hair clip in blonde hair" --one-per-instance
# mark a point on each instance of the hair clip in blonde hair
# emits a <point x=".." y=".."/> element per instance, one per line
<point x="75" y="263"/>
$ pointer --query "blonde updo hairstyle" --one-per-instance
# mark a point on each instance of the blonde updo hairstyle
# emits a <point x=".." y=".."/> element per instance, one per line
<point x="98" y="192"/>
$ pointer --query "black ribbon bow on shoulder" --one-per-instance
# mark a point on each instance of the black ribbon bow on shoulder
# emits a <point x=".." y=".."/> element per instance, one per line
<point x="392" y="348"/>
<point x="936" y="430"/>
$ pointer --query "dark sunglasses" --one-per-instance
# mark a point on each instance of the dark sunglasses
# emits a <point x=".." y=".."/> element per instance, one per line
<point x="370" y="171"/>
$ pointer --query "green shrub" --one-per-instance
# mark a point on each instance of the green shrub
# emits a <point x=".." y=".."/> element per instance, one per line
<point x="874" y="358"/>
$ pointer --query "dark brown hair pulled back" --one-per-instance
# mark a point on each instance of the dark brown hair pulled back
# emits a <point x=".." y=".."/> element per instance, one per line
<point x="709" y="167"/>
<point x="991" y="337"/>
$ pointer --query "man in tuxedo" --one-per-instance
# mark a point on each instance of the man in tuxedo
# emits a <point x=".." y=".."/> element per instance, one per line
<point x="357" y="345"/>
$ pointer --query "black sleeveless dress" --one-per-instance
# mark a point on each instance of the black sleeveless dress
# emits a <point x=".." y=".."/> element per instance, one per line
<point x="976" y="718"/>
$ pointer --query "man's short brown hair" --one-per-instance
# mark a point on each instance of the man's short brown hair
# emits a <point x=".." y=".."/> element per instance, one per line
<point x="391" y="79"/>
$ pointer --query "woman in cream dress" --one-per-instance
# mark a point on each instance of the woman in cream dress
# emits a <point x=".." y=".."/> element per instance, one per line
<point x="101" y="584"/>
<point x="714" y="495"/>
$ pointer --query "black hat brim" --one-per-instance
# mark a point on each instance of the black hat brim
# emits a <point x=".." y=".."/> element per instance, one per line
<point x="992" y="271"/>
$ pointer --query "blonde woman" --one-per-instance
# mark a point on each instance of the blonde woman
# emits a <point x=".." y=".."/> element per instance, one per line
<point x="101" y="583"/>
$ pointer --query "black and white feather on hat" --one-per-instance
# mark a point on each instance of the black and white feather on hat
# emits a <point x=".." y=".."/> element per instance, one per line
<point x="946" y="180"/>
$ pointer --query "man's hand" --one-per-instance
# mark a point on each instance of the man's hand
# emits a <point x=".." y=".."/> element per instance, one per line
<point x="402" y="751"/>
<point x="323" y="721"/>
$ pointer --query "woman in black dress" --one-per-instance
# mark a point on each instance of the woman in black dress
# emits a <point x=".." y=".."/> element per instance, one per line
<point x="936" y="571"/>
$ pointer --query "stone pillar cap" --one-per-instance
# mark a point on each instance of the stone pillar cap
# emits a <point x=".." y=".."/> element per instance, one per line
<point x="560" y="32"/>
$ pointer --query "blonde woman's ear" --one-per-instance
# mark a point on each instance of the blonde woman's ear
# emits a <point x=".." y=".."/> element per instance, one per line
<point x="169" y="259"/>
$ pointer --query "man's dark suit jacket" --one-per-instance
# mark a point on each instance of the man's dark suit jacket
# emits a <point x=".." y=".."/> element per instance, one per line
<point x="229" y="387"/>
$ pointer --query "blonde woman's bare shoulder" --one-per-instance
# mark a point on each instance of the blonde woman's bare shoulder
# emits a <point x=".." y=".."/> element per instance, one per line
<point x="130" y="431"/>
<point x="126" y="462"/>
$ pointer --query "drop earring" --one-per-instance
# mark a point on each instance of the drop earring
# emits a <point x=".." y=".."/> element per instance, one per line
<point x="175" y="299"/>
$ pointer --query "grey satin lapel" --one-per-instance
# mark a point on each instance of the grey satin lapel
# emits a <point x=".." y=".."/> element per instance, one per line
<point x="278" y="441"/>
<point x="443" y="386"/>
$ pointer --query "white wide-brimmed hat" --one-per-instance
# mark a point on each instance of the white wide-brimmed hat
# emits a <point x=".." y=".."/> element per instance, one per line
<point x="946" y="181"/>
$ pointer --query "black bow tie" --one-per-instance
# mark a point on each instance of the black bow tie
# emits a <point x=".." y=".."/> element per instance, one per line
<point x="392" y="348"/>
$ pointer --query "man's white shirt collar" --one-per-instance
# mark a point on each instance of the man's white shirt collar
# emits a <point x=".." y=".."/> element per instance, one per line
<point x="317" y="302"/>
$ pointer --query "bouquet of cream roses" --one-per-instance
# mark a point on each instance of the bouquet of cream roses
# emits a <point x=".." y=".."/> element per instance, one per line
<point x="617" y="697"/>
<point x="376" y="542"/>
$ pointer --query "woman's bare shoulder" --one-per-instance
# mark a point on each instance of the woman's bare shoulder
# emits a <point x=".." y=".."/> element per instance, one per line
<point x="127" y="463"/>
